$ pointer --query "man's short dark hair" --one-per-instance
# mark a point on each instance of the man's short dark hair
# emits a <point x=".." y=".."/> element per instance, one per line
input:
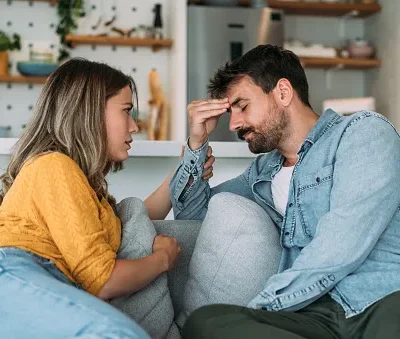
<point x="265" y="65"/>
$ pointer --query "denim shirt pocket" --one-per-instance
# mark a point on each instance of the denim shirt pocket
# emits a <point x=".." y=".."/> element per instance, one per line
<point x="313" y="197"/>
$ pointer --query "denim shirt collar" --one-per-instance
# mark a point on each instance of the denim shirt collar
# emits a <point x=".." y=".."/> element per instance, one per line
<point x="324" y="123"/>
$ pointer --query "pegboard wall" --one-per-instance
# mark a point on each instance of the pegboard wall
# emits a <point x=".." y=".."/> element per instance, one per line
<point x="36" y="23"/>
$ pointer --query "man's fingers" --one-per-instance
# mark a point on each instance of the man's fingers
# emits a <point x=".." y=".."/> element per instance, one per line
<point x="209" y="107"/>
<point x="208" y="101"/>
<point x="203" y="116"/>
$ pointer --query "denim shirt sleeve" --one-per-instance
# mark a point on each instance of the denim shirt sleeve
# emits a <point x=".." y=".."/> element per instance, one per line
<point x="364" y="197"/>
<point x="191" y="203"/>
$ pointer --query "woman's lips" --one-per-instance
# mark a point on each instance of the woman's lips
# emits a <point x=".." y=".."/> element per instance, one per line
<point x="128" y="143"/>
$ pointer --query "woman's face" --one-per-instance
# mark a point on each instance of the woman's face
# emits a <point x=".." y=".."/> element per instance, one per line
<point x="120" y="124"/>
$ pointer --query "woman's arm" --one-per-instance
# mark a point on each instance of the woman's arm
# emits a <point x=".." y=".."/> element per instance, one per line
<point x="130" y="276"/>
<point x="159" y="204"/>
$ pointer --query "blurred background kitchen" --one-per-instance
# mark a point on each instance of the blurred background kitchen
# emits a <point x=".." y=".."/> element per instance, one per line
<point x="172" y="47"/>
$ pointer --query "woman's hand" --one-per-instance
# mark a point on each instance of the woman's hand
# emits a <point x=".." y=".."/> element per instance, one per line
<point x="208" y="166"/>
<point x="169" y="247"/>
<point x="131" y="275"/>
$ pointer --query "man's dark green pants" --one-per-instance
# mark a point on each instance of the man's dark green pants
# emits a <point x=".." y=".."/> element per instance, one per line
<point x="323" y="319"/>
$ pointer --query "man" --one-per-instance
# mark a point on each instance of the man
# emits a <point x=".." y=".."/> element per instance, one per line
<point x="330" y="183"/>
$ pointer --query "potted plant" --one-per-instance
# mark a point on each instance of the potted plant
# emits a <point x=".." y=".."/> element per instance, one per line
<point x="68" y="12"/>
<point x="7" y="44"/>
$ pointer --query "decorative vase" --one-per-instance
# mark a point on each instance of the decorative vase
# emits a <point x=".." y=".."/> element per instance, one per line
<point x="4" y="63"/>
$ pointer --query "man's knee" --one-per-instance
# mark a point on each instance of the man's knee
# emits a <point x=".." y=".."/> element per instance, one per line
<point x="199" y="324"/>
<point x="383" y="320"/>
<point x="195" y="326"/>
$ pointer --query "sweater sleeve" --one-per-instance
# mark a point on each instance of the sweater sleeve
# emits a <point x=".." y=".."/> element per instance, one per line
<point x="69" y="207"/>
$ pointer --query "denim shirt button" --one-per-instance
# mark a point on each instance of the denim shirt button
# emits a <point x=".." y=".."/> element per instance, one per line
<point x="287" y="233"/>
<point x="331" y="277"/>
<point x="318" y="179"/>
<point x="192" y="162"/>
<point x="291" y="204"/>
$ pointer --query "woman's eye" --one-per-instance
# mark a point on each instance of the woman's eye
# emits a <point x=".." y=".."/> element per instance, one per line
<point x="244" y="108"/>
<point x="128" y="111"/>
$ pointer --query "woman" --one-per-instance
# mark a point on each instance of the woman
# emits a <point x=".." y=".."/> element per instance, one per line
<point x="59" y="234"/>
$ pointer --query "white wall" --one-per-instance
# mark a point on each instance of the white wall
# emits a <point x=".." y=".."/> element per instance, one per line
<point x="384" y="83"/>
<point x="17" y="100"/>
<point x="330" y="32"/>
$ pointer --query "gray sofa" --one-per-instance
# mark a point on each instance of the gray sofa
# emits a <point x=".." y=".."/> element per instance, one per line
<point x="227" y="258"/>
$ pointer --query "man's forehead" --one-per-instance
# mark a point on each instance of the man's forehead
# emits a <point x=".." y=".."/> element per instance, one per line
<point x="240" y="89"/>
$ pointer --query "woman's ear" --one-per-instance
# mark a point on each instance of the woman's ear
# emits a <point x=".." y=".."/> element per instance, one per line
<point x="284" y="92"/>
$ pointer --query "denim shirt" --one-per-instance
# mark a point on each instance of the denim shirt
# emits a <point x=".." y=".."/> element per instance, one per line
<point x="341" y="230"/>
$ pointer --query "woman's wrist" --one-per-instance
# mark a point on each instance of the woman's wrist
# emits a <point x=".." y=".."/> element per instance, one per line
<point x="161" y="256"/>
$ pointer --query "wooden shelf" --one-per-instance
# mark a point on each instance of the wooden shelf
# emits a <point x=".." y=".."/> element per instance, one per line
<point x="350" y="63"/>
<point x="325" y="8"/>
<point x="315" y="8"/>
<point x="52" y="2"/>
<point x="155" y="44"/>
<point x="22" y="79"/>
<point x="200" y="2"/>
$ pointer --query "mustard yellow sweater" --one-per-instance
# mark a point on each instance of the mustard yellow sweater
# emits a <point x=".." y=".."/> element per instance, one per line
<point x="51" y="210"/>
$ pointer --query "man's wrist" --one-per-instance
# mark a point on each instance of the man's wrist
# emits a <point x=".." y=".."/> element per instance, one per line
<point x="194" y="145"/>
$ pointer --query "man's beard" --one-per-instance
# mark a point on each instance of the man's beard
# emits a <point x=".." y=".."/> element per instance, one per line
<point x="266" y="140"/>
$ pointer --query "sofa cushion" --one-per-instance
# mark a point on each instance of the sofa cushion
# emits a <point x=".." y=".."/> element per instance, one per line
<point x="236" y="251"/>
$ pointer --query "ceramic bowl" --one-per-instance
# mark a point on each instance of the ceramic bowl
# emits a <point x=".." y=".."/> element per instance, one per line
<point x="41" y="56"/>
<point x="31" y="68"/>
<point x="359" y="51"/>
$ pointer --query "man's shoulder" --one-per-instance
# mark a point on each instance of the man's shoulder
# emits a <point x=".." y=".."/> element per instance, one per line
<point x="365" y="120"/>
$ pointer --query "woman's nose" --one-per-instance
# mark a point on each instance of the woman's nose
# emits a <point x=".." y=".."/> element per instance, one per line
<point x="133" y="126"/>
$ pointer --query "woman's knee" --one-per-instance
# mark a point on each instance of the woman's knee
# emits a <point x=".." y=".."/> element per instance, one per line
<point x="63" y="308"/>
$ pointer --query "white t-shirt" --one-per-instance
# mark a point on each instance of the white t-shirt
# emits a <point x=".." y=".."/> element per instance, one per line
<point x="280" y="188"/>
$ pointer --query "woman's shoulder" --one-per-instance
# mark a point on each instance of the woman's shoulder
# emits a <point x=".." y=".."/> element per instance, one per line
<point x="52" y="160"/>
<point x="56" y="169"/>
<point x="53" y="165"/>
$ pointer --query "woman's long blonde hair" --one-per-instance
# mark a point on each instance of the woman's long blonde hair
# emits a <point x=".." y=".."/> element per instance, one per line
<point x="69" y="118"/>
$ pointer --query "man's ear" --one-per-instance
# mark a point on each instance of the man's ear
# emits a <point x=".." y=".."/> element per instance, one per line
<point x="284" y="92"/>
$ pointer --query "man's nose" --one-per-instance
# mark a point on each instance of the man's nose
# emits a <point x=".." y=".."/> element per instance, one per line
<point x="235" y="121"/>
